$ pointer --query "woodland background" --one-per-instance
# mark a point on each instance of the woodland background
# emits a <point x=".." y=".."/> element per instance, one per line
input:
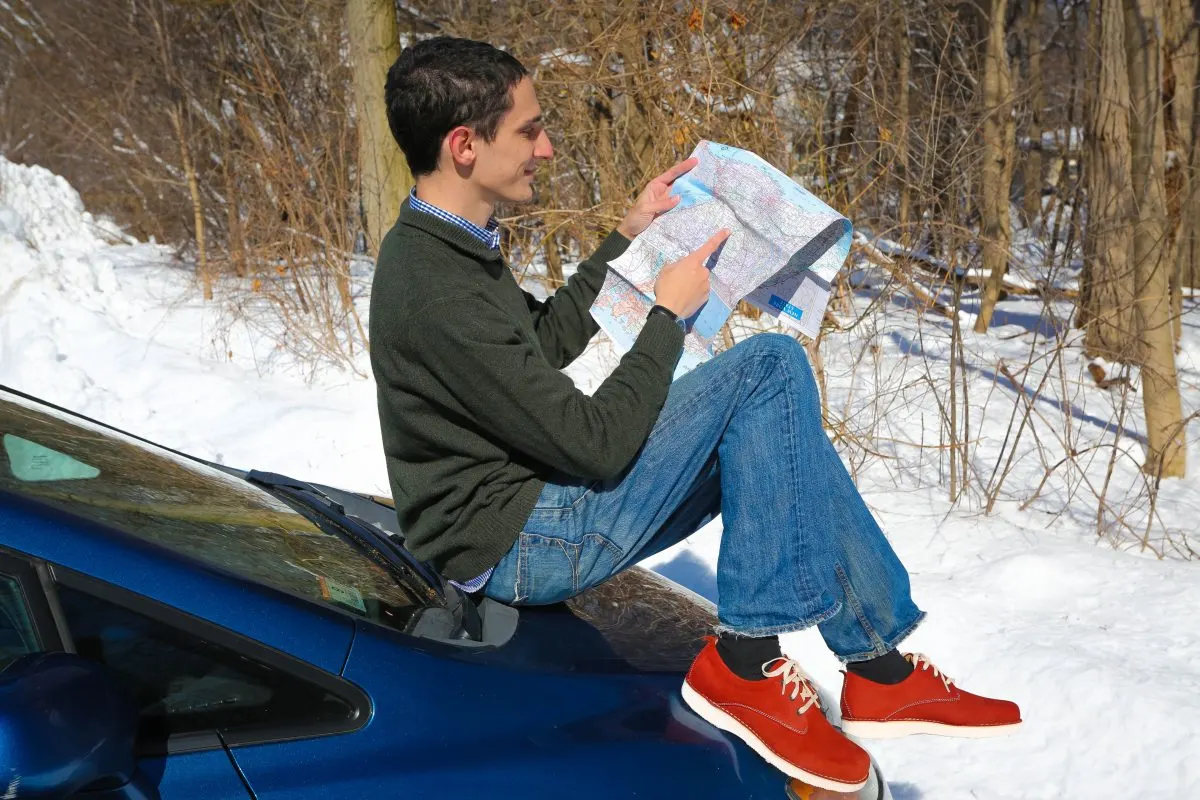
<point x="250" y="135"/>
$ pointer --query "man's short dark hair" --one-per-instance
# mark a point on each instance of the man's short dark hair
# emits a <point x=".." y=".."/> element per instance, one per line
<point x="441" y="83"/>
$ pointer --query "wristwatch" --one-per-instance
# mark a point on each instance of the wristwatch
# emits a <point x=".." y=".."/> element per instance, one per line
<point x="657" y="309"/>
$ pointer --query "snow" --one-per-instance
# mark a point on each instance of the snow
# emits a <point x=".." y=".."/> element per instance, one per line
<point x="1070" y="597"/>
<point x="746" y="104"/>
<point x="1056" y="141"/>
<point x="561" y="55"/>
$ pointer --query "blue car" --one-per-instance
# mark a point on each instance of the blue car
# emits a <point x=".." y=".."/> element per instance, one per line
<point x="175" y="628"/>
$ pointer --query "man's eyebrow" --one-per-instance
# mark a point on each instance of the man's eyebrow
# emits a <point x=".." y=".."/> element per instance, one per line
<point x="535" y="121"/>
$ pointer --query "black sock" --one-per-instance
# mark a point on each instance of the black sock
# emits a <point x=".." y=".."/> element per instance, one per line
<point x="889" y="668"/>
<point x="745" y="655"/>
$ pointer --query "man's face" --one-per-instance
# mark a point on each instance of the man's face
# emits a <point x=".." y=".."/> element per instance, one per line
<point x="504" y="167"/>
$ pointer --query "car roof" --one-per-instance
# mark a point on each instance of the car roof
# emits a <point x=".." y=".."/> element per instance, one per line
<point x="75" y="416"/>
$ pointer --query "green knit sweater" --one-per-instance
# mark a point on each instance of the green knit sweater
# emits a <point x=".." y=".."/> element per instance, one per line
<point x="474" y="412"/>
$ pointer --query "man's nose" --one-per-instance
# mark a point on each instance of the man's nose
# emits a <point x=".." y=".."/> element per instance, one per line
<point x="542" y="148"/>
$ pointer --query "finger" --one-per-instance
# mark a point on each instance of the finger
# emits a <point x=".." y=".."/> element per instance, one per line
<point x="708" y="248"/>
<point x="665" y="203"/>
<point x="674" y="172"/>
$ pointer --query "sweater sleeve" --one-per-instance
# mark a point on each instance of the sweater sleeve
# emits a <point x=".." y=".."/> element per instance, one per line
<point x="501" y="380"/>
<point x="564" y="322"/>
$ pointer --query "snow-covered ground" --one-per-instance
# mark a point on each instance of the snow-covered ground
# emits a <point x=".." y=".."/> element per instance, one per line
<point x="1095" y="635"/>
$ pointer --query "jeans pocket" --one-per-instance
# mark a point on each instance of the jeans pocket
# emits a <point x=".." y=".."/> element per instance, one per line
<point x="598" y="560"/>
<point x="559" y="498"/>
<point x="551" y="569"/>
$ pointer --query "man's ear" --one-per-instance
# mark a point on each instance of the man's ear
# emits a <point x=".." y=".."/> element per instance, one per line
<point x="461" y="144"/>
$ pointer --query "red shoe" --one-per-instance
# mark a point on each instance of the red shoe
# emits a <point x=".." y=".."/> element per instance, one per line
<point x="781" y="720"/>
<point x="925" y="702"/>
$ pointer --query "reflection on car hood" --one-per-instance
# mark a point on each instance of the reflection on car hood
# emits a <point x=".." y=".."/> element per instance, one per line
<point x="651" y="622"/>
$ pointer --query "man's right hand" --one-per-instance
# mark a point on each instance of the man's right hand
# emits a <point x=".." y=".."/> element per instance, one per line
<point x="682" y="287"/>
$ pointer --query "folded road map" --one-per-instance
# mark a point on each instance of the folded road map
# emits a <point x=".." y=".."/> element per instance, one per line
<point x="784" y="249"/>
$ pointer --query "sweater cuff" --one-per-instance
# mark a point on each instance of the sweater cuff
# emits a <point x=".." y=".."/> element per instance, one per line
<point x="661" y="339"/>
<point x="595" y="269"/>
<point x="612" y="247"/>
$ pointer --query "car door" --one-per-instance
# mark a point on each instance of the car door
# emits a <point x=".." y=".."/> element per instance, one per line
<point x="26" y="624"/>
<point x="33" y="619"/>
<point x="200" y="688"/>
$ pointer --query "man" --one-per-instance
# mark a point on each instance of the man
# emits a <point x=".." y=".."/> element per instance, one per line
<point x="512" y="482"/>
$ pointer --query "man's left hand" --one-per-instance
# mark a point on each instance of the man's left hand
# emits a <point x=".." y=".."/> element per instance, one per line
<point x="654" y="200"/>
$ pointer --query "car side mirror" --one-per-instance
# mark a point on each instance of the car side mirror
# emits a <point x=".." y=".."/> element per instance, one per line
<point x="66" y="730"/>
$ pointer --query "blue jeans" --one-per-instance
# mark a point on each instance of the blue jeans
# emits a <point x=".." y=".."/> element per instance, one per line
<point x="740" y="435"/>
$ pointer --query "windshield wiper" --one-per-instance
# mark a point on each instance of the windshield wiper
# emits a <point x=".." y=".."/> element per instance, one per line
<point x="276" y="481"/>
<point x="464" y="616"/>
<point x="365" y="536"/>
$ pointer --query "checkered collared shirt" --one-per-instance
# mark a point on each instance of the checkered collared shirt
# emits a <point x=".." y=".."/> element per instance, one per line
<point x="491" y="237"/>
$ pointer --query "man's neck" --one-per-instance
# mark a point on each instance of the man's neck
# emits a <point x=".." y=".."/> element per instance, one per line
<point x="457" y="197"/>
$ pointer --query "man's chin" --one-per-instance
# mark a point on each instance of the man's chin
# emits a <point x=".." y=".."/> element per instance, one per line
<point x="516" y="193"/>
<point x="522" y="194"/>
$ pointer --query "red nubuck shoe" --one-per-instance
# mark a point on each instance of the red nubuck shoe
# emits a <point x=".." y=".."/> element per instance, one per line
<point x="780" y="719"/>
<point x="925" y="702"/>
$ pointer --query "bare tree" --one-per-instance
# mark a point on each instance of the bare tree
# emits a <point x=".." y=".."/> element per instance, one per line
<point x="999" y="144"/>
<point x="1183" y="49"/>
<point x="903" y="78"/>
<point x="1036" y="104"/>
<point x="384" y="179"/>
<point x="1106" y="306"/>
<point x="1160" y="387"/>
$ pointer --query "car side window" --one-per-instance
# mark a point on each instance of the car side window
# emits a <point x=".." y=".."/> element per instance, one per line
<point x="183" y="682"/>
<point x="17" y="635"/>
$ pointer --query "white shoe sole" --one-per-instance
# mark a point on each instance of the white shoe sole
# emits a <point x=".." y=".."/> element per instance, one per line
<point x="896" y="730"/>
<point x="725" y="722"/>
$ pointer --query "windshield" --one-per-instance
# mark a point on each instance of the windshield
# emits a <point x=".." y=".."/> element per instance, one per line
<point x="192" y="509"/>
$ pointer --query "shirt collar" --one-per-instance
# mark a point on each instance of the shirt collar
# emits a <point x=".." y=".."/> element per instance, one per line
<point x="490" y="235"/>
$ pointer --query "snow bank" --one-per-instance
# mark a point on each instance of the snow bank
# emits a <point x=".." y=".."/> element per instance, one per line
<point x="42" y="211"/>
<point x="114" y="329"/>
<point x="44" y="227"/>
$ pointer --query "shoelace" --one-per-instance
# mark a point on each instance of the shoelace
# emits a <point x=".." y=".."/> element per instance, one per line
<point x="793" y="676"/>
<point x="921" y="661"/>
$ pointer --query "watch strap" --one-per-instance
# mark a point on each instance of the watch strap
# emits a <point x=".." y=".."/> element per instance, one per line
<point x="658" y="309"/>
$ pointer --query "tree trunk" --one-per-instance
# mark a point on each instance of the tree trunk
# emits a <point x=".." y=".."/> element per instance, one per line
<point x="1106" y="290"/>
<point x="1191" y="271"/>
<point x="902" y="112"/>
<point x="384" y="179"/>
<point x="1184" y="50"/>
<point x="844" y="151"/>
<point x="1037" y="102"/>
<point x="633" y="120"/>
<point x="1160" y="387"/>
<point x="189" y="172"/>
<point x="233" y="216"/>
<point x="999" y="144"/>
